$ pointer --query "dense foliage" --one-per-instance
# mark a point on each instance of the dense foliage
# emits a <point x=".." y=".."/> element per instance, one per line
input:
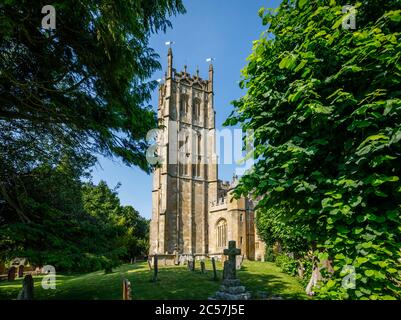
<point x="73" y="226"/>
<point x="65" y="95"/>
<point x="276" y="227"/>
<point x="82" y="84"/>
<point x="325" y="105"/>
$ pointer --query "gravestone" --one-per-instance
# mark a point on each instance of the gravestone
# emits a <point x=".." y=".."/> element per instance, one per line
<point x="202" y="265"/>
<point x="126" y="290"/>
<point x="21" y="271"/>
<point x="26" y="292"/>
<point x="230" y="264"/>
<point x="176" y="258"/>
<point x="11" y="274"/>
<point x="150" y="264"/>
<point x="155" y="267"/>
<point x="238" y="262"/>
<point x="231" y="288"/>
<point x="193" y="263"/>
<point x="215" y="278"/>
<point x="182" y="260"/>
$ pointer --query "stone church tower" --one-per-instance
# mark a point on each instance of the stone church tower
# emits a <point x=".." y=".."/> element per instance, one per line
<point x="184" y="185"/>
<point x="193" y="212"/>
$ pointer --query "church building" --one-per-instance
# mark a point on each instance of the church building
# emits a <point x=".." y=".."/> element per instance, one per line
<point x="193" y="212"/>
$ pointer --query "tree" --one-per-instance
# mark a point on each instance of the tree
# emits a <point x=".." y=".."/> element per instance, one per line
<point x="323" y="102"/>
<point x="83" y="85"/>
<point x="65" y="95"/>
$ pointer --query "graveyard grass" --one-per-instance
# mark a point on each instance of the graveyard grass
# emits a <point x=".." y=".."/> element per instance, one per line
<point x="175" y="282"/>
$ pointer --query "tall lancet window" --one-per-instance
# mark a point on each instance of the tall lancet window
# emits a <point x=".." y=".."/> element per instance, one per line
<point x="184" y="105"/>
<point x="199" y="155"/>
<point x="221" y="236"/>
<point x="196" y="109"/>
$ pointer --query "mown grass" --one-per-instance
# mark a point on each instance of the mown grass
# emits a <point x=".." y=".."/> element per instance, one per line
<point x="175" y="282"/>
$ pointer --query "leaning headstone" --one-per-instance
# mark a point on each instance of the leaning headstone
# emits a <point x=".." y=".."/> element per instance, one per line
<point x="126" y="290"/>
<point x="155" y="267"/>
<point x="215" y="278"/>
<point x="11" y="274"/>
<point x="202" y="265"/>
<point x="231" y="288"/>
<point x="26" y="292"/>
<point x="21" y="271"/>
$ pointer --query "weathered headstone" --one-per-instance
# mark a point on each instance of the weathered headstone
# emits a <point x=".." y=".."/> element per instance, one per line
<point x="190" y="265"/>
<point x="182" y="260"/>
<point x="230" y="264"/>
<point x="202" y="265"/>
<point x="238" y="262"/>
<point x="150" y="264"/>
<point x="176" y="258"/>
<point x="215" y="278"/>
<point x="193" y="263"/>
<point x="11" y="274"/>
<point x="26" y="292"/>
<point x="127" y="290"/>
<point x="231" y="288"/>
<point x="21" y="271"/>
<point x="155" y="267"/>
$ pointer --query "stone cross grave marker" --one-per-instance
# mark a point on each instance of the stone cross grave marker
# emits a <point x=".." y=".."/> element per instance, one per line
<point x="21" y="271"/>
<point x="215" y="278"/>
<point x="26" y="292"/>
<point x="230" y="264"/>
<point x="126" y="290"/>
<point x="155" y="267"/>
<point x="202" y="265"/>
<point x="11" y="274"/>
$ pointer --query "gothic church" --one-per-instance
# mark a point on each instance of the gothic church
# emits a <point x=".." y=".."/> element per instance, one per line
<point x="193" y="212"/>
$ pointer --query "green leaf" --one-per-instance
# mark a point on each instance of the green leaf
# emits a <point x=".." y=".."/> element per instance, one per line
<point x="301" y="3"/>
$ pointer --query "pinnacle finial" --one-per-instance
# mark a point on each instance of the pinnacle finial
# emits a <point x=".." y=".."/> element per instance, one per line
<point x="197" y="71"/>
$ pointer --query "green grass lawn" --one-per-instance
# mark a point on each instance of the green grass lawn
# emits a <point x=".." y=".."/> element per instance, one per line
<point x="175" y="283"/>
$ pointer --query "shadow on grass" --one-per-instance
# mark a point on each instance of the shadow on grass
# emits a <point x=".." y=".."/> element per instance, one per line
<point x="174" y="282"/>
<point x="270" y="284"/>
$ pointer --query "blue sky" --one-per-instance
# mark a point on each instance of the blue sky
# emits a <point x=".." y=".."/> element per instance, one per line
<point x="222" y="29"/>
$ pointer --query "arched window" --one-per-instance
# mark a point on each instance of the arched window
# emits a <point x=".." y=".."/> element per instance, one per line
<point x="221" y="234"/>
<point x="199" y="144"/>
<point x="196" y="109"/>
<point x="184" y="104"/>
